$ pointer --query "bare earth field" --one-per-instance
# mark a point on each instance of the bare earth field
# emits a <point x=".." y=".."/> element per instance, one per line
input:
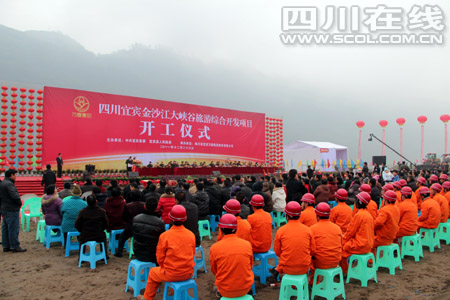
<point x="48" y="274"/>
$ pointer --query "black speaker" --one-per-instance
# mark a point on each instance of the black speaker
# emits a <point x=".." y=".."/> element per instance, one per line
<point x="379" y="159"/>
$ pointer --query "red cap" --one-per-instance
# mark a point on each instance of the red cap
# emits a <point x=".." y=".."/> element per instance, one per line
<point x="178" y="213"/>
<point x="257" y="201"/>
<point x="422" y="180"/>
<point x="397" y="185"/>
<point x="446" y="185"/>
<point x="402" y="182"/>
<point x="228" y="221"/>
<point x="437" y="187"/>
<point x="341" y="194"/>
<point x="364" y="197"/>
<point x="434" y="178"/>
<point x="390" y="196"/>
<point x="293" y="209"/>
<point x="232" y="206"/>
<point x="406" y="190"/>
<point x="424" y="190"/>
<point x="443" y="176"/>
<point x="308" y="198"/>
<point x="322" y="209"/>
<point x="365" y="188"/>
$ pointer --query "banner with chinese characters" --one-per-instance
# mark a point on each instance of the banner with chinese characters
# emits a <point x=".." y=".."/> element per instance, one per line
<point x="105" y="129"/>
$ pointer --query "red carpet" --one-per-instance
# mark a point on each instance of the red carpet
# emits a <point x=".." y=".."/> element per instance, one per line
<point x="32" y="184"/>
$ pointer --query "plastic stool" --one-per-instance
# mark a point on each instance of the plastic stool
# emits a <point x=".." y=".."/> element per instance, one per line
<point x="253" y="288"/>
<point x="199" y="262"/>
<point x="53" y="237"/>
<point x="389" y="260"/>
<point x="412" y="246"/>
<point x="245" y="297"/>
<point x="214" y="222"/>
<point x="92" y="256"/>
<point x="444" y="232"/>
<point x="279" y="217"/>
<point x="273" y="219"/>
<point x="40" y="231"/>
<point x="262" y="270"/>
<point x="332" y="203"/>
<point x="180" y="289"/>
<point x="300" y="282"/>
<point x="72" y="246"/>
<point x="328" y="288"/>
<point x="204" y="231"/>
<point x="429" y="238"/>
<point x="362" y="272"/>
<point x="114" y="242"/>
<point x="138" y="280"/>
<point x="131" y="247"/>
<point x="166" y="226"/>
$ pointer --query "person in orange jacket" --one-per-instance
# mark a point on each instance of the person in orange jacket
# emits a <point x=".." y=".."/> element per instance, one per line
<point x="372" y="207"/>
<point x="308" y="216"/>
<point x="293" y="244"/>
<point x="408" y="214"/>
<point x="359" y="237"/>
<point x="327" y="239"/>
<point x="443" y="178"/>
<point x="261" y="223"/>
<point x="244" y="230"/>
<point x="341" y="214"/>
<point x="433" y="179"/>
<point x="231" y="260"/>
<point x="446" y="188"/>
<point x="421" y="182"/>
<point x="397" y="188"/>
<point x="384" y="189"/>
<point x="174" y="254"/>
<point x="431" y="212"/>
<point x="386" y="223"/>
<point x="435" y="193"/>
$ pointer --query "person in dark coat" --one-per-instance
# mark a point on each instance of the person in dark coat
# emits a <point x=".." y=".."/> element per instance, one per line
<point x="67" y="191"/>
<point x="333" y="188"/>
<point x="114" y="207"/>
<point x="322" y="192"/>
<point x="186" y="187"/>
<point x="375" y="193"/>
<point x="150" y="191"/>
<point x="214" y="198"/>
<point x="147" y="227"/>
<point x="162" y="186"/>
<point x="245" y="209"/>
<point x="48" y="177"/>
<point x="294" y="187"/>
<point x="87" y="186"/>
<point x="101" y="198"/>
<point x="132" y="209"/>
<point x="91" y="223"/>
<point x="225" y="193"/>
<point x="192" y="215"/>
<point x="201" y="199"/>
<point x="59" y="164"/>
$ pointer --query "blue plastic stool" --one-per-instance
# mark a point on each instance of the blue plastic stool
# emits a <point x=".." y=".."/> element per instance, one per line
<point x="412" y="246"/>
<point x="362" y="272"/>
<point x="40" y="231"/>
<point x="386" y="258"/>
<point x="50" y="237"/>
<point x="199" y="262"/>
<point x="328" y="288"/>
<point x="114" y="242"/>
<point x="262" y="270"/>
<point x="138" y="280"/>
<point x="429" y="238"/>
<point x="181" y="289"/>
<point x="92" y="256"/>
<point x="72" y="246"/>
<point x="253" y="288"/>
<point x="444" y="232"/>
<point x="300" y="282"/>
<point x="214" y="222"/>
<point x="167" y="227"/>
<point x="273" y="219"/>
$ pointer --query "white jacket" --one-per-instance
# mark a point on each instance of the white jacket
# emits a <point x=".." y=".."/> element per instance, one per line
<point x="279" y="199"/>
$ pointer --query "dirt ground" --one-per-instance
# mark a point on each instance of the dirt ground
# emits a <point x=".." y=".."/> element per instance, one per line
<point x="48" y="274"/>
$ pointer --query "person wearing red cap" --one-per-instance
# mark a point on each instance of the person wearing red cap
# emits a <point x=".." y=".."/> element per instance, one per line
<point x="408" y="214"/>
<point x="341" y="214"/>
<point x="231" y="260"/>
<point x="421" y="182"/>
<point x="372" y="207"/>
<point x="359" y="237"/>
<point x="294" y="243"/>
<point x="327" y="239"/>
<point x="174" y="254"/>
<point x="433" y="179"/>
<point x="397" y="188"/>
<point x="244" y="230"/>
<point x="431" y="212"/>
<point x="384" y="189"/>
<point x="446" y="188"/>
<point x="435" y="193"/>
<point x="443" y="178"/>
<point x="261" y="223"/>
<point x="308" y="216"/>
<point x="386" y="223"/>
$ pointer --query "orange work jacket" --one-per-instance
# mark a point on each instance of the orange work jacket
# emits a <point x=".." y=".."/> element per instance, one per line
<point x="308" y="216"/>
<point x="341" y="215"/>
<point x="328" y="241"/>
<point x="408" y="218"/>
<point x="430" y="214"/>
<point x="386" y="225"/>
<point x="261" y="223"/>
<point x="359" y="237"/>
<point x="372" y="208"/>
<point x="244" y="230"/>
<point x="443" y="205"/>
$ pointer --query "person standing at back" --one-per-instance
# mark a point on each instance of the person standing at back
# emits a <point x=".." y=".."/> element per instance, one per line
<point x="294" y="187"/>
<point x="261" y="223"/>
<point x="59" y="164"/>
<point x="48" y="177"/>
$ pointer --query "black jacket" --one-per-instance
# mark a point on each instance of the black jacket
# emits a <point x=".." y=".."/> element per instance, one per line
<point x="147" y="227"/>
<point x="9" y="196"/>
<point x="101" y="199"/>
<point x="48" y="178"/>
<point x="91" y="223"/>
<point x="192" y="220"/>
<point x="375" y="194"/>
<point x="214" y="200"/>
<point x="201" y="199"/>
<point x="294" y="189"/>
<point x="225" y="195"/>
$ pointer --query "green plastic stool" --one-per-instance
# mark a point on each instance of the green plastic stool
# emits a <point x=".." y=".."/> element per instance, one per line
<point x="430" y="238"/>
<point x="279" y="217"/>
<point x="204" y="231"/>
<point x="444" y="232"/>
<point x="412" y="246"/>
<point x="328" y="288"/>
<point x="386" y="258"/>
<point x="246" y="297"/>
<point x="300" y="282"/>
<point x="131" y="248"/>
<point x="40" y="231"/>
<point x="362" y="272"/>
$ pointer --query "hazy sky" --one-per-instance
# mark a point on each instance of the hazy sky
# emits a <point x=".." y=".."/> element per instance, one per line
<point x="347" y="83"/>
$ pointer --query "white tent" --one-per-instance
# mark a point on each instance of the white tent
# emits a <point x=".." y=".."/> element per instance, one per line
<point x="302" y="152"/>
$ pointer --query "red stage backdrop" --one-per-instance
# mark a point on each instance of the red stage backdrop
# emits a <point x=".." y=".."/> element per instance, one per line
<point x="104" y="129"/>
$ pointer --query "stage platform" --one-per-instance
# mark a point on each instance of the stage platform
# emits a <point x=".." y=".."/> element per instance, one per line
<point x="32" y="184"/>
<point x="205" y="171"/>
